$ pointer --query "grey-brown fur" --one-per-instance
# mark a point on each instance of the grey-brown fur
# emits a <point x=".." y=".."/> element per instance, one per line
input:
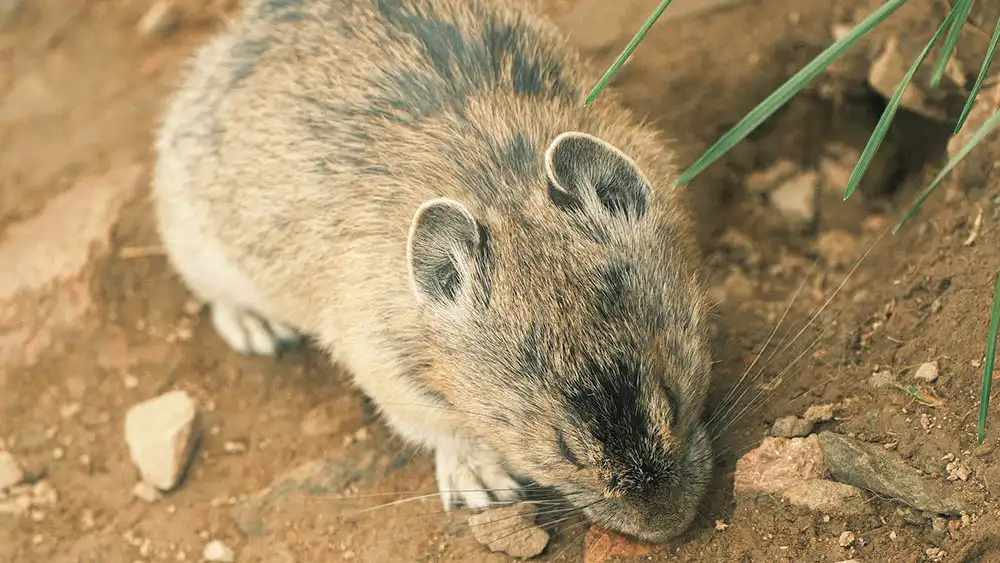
<point x="382" y="175"/>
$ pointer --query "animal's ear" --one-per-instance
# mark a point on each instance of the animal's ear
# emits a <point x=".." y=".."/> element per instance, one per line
<point x="581" y="167"/>
<point x="441" y="250"/>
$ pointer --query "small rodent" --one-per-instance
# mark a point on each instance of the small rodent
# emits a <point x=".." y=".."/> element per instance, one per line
<point x="507" y="272"/>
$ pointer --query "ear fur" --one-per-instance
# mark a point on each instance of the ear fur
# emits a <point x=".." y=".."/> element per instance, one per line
<point x="582" y="168"/>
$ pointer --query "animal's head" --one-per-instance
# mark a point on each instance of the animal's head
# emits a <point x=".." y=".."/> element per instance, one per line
<point x="571" y="333"/>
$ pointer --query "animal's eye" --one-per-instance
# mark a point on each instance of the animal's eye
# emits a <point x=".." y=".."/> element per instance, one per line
<point x="564" y="449"/>
<point x="674" y="406"/>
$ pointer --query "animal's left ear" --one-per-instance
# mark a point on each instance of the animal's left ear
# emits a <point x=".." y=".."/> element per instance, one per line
<point x="581" y="167"/>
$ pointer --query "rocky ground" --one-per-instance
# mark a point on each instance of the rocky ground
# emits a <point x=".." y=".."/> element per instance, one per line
<point x="129" y="432"/>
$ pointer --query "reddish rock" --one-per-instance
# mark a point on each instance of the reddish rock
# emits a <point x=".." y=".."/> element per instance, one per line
<point x="601" y="545"/>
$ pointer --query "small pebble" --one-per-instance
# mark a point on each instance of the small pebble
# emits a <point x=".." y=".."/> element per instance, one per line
<point x="796" y="199"/>
<point x="87" y="521"/>
<point x="218" y="552"/>
<point x="70" y="410"/>
<point x="146" y="492"/>
<point x="192" y="307"/>
<point x="161" y="20"/>
<point x="44" y="494"/>
<point x="935" y="553"/>
<point x="130" y="381"/>
<point x="10" y="472"/>
<point x="927" y="372"/>
<point x="234" y="447"/>
<point x="161" y="434"/>
<point x="846" y="539"/>
<point x="957" y="471"/>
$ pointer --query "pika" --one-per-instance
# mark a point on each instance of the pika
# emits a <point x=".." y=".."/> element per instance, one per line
<point x="508" y="273"/>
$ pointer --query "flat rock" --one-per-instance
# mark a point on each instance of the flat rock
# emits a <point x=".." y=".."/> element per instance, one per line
<point x="873" y="468"/>
<point x="510" y="529"/>
<point x="778" y="464"/>
<point x="791" y="427"/>
<point x="10" y="472"/>
<point x="827" y="497"/>
<point x="52" y="251"/>
<point x="161" y="434"/>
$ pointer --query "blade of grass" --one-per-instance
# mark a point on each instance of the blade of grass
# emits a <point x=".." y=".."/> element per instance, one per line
<point x="787" y="90"/>
<point x="980" y="134"/>
<point x="991" y="350"/>
<point x="959" y="13"/>
<point x="979" y="79"/>
<point x="878" y="135"/>
<point x="627" y="52"/>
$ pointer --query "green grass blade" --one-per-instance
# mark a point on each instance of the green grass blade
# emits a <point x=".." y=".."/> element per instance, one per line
<point x="980" y="134"/>
<point x="787" y="90"/>
<point x="991" y="351"/>
<point x="625" y="54"/>
<point x="979" y="79"/>
<point x="878" y="135"/>
<point x="959" y="13"/>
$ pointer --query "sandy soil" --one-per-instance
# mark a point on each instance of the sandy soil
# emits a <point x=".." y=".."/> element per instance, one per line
<point x="92" y="320"/>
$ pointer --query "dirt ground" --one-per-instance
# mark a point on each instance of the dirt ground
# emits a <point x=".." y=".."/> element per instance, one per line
<point x="92" y="320"/>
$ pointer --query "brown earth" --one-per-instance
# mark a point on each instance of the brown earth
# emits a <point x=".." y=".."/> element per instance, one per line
<point x="92" y="320"/>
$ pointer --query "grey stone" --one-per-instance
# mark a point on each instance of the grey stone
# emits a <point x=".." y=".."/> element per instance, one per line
<point x="873" y="468"/>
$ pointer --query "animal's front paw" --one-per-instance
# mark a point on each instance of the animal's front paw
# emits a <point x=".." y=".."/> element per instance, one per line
<point x="250" y="334"/>
<point x="475" y="478"/>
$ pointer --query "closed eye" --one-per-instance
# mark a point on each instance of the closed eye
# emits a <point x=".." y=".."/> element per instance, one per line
<point x="565" y="450"/>
<point x="674" y="407"/>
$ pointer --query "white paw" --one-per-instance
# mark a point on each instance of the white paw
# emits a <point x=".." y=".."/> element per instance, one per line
<point x="473" y="478"/>
<point x="249" y="334"/>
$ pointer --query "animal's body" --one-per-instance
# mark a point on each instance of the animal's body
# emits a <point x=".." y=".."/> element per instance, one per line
<point x="509" y="274"/>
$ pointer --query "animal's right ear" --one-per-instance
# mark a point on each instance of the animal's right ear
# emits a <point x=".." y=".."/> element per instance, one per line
<point x="582" y="168"/>
<point x="441" y="250"/>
